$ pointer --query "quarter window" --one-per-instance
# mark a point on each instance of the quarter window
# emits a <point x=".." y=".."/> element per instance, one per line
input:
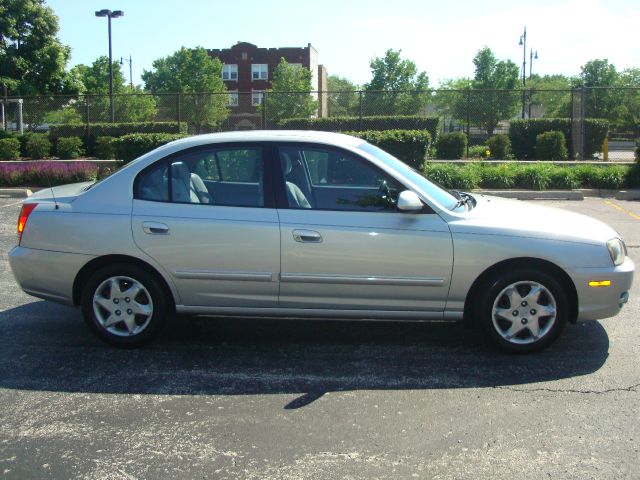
<point x="230" y="71"/>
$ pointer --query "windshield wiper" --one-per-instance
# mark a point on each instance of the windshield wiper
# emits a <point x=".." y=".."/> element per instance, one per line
<point x="463" y="199"/>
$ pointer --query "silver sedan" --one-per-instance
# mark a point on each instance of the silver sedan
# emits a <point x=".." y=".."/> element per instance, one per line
<point x="308" y="225"/>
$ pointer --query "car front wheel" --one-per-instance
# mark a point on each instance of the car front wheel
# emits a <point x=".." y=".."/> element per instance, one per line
<point x="523" y="311"/>
<point x="124" y="305"/>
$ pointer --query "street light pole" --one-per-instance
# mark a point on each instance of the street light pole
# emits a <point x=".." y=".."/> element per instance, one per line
<point x="523" y="43"/>
<point x="532" y="57"/>
<point x="130" y="62"/>
<point x="109" y="14"/>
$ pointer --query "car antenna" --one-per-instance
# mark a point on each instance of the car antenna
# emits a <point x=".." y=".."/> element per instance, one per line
<point x="53" y="195"/>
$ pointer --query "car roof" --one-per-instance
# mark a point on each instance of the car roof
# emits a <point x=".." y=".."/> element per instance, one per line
<point x="270" y="135"/>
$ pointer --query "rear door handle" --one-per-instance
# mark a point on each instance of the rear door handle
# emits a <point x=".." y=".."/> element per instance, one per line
<point x="155" y="228"/>
<point x="307" y="236"/>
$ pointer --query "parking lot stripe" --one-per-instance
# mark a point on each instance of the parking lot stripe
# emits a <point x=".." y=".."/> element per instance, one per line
<point x="618" y="207"/>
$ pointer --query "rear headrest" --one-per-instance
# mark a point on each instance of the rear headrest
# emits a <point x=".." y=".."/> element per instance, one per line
<point x="179" y="170"/>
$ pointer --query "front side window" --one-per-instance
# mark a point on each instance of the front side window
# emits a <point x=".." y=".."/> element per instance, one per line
<point x="230" y="71"/>
<point x="217" y="176"/>
<point x="325" y="179"/>
<point x="259" y="71"/>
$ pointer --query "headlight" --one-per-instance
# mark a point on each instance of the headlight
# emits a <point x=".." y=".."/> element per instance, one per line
<point x="617" y="250"/>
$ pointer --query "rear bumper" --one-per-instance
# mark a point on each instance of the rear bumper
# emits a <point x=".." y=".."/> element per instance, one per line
<point x="46" y="274"/>
<point x="603" y="302"/>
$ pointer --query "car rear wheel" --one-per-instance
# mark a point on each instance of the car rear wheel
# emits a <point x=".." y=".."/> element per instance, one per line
<point x="523" y="311"/>
<point x="124" y="305"/>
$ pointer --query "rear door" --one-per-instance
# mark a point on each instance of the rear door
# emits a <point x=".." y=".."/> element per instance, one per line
<point x="346" y="246"/>
<point x="213" y="226"/>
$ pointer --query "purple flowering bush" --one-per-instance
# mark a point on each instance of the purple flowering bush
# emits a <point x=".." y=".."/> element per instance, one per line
<point x="44" y="174"/>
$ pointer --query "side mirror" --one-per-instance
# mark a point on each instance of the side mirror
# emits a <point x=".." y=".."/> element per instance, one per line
<point x="408" y="201"/>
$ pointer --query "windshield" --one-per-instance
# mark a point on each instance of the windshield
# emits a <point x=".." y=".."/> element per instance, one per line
<point x="443" y="197"/>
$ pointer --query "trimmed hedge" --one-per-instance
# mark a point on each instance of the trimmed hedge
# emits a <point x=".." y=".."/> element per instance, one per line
<point x="451" y="146"/>
<point x="103" y="148"/>
<point x="410" y="146"/>
<point x="9" y="148"/>
<point x="37" y="146"/>
<point x="111" y="130"/>
<point x="523" y="133"/>
<point x="130" y="147"/>
<point x="538" y="176"/>
<point x="551" y="145"/>
<point x="350" y="124"/>
<point x="69" y="147"/>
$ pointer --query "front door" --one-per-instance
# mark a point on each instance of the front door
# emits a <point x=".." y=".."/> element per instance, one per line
<point x="205" y="216"/>
<point x="344" y="244"/>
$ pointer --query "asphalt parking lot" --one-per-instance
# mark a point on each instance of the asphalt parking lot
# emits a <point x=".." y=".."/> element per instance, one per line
<point x="266" y="399"/>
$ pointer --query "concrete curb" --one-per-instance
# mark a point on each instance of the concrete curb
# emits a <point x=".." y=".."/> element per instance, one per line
<point x="632" y="194"/>
<point x="15" y="192"/>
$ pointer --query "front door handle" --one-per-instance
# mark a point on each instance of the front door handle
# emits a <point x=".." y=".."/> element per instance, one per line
<point x="307" y="236"/>
<point x="155" y="228"/>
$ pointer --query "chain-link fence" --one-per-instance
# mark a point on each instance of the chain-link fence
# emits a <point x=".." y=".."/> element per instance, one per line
<point x="478" y="113"/>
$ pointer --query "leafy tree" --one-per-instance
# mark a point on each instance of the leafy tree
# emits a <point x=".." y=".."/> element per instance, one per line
<point x="630" y="116"/>
<point x="396" y="87"/>
<point x="552" y="93"/>
<point x="487" y="99"/>
<point x="32" y="59"/>
<point x="601" y="101"/>
<point x="343" y="97"/>
<point x="129" y="105"/>
<point x="280" y="102"/>
<point x="194" y="73"/>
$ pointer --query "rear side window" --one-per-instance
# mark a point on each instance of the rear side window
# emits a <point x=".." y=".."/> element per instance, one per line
<point x="224" y="176"/>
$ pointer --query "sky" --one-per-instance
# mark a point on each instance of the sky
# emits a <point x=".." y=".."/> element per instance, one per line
<point x="441" y="37"/>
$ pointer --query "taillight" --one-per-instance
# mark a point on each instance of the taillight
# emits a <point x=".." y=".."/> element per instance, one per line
<point x="25" y="211"/>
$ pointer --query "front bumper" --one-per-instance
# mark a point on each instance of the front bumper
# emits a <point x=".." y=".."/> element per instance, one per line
<point x="603" y="302"/>
<point x="46" y="274"/>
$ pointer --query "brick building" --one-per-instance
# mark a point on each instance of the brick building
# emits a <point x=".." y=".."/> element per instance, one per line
<point x="247" y="71"/>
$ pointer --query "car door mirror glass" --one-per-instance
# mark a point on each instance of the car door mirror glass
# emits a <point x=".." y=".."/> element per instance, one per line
<point x="408" y="201"/>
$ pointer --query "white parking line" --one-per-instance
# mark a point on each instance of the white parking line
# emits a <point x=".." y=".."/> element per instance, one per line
<point x="11" y="204"/>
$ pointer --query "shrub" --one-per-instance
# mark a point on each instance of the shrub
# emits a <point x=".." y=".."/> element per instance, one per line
<point x="129" y="147"/>
<point x="37" y="146"/>
<point x="499" y="146"/>
<point x="523" y="133"/>
<point x="499" y="176"/>
<point x="451" y="146"/>
<point x="551" y="146"/>
<point x="478" y="151"/>
<point x="564" y="178"/>
<point x="632" y="176"/>
<point x="46" y="174"/>
<point x="452" y="176"/>
<point x="9" y="148"/>
<point x="69" y="147"/>
<point x="638" y="150"/>
<point x="612" y="177"/>
<point x="350" y="124"/>
<point x="536" y="177"/>
<point x="410" y="146"/>
<point x="104" y="148"/>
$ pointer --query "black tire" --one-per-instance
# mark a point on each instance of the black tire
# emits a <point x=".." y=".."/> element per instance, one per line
<point x="152" y="326"/>
<point x="493" y="288"/>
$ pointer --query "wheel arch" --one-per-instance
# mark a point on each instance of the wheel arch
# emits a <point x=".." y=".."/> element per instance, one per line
<point x="516" y="263"/>
<point x="85" y="273"/>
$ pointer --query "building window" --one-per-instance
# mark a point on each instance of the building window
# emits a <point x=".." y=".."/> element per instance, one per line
<point x="259" y="71"/>
<point x="256" y="97"/>
<point x="232" y="101"/>
<point x="230" y="71"/>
